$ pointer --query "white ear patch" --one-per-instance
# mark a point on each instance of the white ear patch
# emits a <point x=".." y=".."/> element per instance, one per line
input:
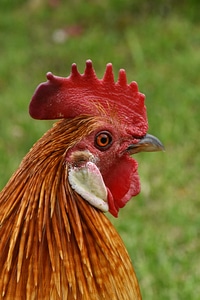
<point x="88" y="183"/>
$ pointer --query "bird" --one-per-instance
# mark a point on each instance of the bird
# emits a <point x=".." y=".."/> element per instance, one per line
<point x="56" y="241"/>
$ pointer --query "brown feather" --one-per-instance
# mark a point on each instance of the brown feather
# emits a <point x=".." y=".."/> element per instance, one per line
<point x="54" y="245"/>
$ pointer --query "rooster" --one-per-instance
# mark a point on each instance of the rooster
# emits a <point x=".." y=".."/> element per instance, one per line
<point x="55" y="240"/>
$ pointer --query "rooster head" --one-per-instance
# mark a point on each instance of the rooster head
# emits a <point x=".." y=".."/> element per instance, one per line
<point x="99" y="164"/>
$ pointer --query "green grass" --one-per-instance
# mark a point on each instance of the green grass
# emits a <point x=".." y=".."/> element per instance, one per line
<point x="159" y="47"/>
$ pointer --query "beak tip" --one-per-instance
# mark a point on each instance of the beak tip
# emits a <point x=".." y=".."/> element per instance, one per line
<point x="157" y="145"/>
<point x="153" y="143"/>
<point x="162" y="148"/>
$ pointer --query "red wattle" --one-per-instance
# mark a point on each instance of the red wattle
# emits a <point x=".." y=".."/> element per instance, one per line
<point x="113" y="209"/>
<point x="123" y="182"/>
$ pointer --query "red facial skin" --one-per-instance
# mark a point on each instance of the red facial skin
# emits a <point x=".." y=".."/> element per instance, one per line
<point x="118" y="169"/>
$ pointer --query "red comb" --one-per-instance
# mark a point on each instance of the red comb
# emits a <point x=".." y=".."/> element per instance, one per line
<point x="85" y="94"/>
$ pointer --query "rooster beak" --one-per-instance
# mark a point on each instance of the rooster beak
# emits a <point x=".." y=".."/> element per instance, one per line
<point x="148" y="143"/>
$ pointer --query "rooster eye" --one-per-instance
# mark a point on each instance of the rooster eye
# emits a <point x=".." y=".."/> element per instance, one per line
<point x="103" y="140"/>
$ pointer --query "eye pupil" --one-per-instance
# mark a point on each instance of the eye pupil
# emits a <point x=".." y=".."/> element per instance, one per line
<point x="103" y="140"/>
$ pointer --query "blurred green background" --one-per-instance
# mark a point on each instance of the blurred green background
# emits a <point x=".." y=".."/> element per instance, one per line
<point x="158" y="43"/>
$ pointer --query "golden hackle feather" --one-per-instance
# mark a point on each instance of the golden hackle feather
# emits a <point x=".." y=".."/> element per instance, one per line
<point x="54" y="245"/>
